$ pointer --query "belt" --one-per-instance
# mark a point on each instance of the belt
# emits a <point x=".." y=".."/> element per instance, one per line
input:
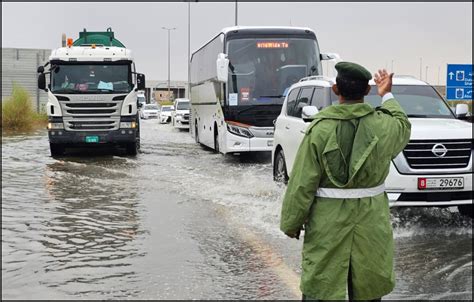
<point x="350" y="193"/>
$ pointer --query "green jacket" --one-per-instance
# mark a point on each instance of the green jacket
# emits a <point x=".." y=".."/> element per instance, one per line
<point x="346" y="146"/>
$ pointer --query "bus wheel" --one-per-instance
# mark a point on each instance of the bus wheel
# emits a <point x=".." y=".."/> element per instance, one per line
<point x="216" y="139"/>
<point x="465" y="210"/>
<point x="279" y="168"/>
<point x="56" y="149"/>
<point x="196" y="133"/>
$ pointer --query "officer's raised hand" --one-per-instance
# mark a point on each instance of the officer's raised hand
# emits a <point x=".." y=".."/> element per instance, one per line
<point x="384" y="82"/>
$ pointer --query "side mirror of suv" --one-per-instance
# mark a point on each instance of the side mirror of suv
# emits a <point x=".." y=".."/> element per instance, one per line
<point x="461" y="110"/>
<point x="308" y="113"/>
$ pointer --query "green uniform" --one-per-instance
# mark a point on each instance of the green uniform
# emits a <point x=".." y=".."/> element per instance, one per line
<point x="346" y="147"/>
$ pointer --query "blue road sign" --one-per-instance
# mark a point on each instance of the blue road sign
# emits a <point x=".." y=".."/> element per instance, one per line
<point x="459" y="82"/>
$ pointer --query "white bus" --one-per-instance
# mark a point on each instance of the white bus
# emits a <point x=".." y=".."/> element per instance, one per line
<point x="239" y="80"/>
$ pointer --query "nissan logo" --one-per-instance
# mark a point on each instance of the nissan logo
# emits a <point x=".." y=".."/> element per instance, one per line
<point x="439" y="150"/>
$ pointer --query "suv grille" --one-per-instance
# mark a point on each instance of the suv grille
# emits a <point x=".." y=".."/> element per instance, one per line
<point x="448" y="154"/>
<point x="186" y="117"/>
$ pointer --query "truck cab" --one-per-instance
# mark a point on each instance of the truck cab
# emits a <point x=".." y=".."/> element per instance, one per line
<point x="92" y="94"/>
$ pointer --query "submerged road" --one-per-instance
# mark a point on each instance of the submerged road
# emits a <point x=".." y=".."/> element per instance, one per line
<point x="181" y="222"/>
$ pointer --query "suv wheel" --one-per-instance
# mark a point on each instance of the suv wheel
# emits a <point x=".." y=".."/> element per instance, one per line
<point x="465" y="210"/>
<point x="279" y="168"/>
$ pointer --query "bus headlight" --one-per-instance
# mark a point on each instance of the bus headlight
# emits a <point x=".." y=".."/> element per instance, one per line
<point x="239" y="130"/>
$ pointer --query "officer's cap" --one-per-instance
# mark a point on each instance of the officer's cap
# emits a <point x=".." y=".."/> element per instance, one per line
<point x="352" y="71"/>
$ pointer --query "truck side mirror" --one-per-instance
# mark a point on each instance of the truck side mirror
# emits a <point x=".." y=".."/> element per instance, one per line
<point x="308" y="113"/>
<point x="222" y="65"/>
<point x="140" y="81"/>
<point x="462" y="110"/>
<point x="42" y="81"/>
<point x="330" y="56"/>
<point x="40" y="69"/>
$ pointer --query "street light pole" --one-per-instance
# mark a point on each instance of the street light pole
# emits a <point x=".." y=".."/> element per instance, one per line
<point x="421" y="68"/>
<point x="426" y="74"/>
<point x="392" y="65"/>
<point x="236" y="12"/>
<point x="189" y="50"/>
<point x="169" y="67"/>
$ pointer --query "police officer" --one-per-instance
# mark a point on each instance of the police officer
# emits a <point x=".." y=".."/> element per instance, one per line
<point x="336" y="191"/>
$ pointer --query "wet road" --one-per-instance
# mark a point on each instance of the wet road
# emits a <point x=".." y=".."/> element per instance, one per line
<point x="180" y="222"/>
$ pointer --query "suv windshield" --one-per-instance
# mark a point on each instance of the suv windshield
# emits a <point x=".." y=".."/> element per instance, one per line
<point x="182" y="106"/>
<point x="91" y="78"/>
<point x="262" y="69"/>
<point x="416" y="100"/>
<point x="151" y="107"/>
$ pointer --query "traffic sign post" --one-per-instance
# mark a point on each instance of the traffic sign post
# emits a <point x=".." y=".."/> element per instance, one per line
<point x="459" y="82"/>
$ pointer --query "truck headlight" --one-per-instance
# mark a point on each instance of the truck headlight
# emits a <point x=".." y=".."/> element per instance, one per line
<point x="239" y="130"/>
<point x="55" y="126"/>
<point x="128" y="125"/>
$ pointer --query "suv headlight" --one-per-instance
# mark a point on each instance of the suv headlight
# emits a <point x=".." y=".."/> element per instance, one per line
<point x="239" y="130"/>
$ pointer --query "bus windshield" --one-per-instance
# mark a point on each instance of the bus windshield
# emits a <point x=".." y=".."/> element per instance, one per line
<point x="91" y="78"/>
<point x="262" y="69"/>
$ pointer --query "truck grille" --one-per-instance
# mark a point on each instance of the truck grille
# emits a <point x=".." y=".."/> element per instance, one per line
<point x="445" y="154"/>
<point x="81" y="114"/>
<point x="94" y="125"/>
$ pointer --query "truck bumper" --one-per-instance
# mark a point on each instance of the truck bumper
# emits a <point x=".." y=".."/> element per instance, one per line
<point x="79" y="137"/>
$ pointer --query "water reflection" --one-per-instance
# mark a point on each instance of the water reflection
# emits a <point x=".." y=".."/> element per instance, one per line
<point x="90" y="237"/>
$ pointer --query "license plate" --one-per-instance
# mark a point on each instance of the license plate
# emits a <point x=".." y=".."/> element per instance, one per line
<point x="440" y="183"/>
<point x="92" y="139"/>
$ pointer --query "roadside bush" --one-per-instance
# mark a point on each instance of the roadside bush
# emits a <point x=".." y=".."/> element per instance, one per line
<point x="18" y="113"/>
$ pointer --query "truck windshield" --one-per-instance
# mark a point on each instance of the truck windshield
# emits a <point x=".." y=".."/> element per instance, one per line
<point x="416" y="100"/>
<point x="182" y="106"/>
<point x="262" y="69"/>
<point x="91" y="78"/>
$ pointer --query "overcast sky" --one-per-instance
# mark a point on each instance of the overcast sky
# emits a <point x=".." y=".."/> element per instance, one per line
<point x="372" y="34"/>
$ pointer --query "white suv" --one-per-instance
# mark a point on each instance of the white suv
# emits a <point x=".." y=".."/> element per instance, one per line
<point x="435" y="168"/>
<point x="180" y="114"/>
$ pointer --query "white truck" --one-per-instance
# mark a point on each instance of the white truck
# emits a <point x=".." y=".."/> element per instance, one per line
<point x="434" y="169"/>
<point x="92" y="94"/>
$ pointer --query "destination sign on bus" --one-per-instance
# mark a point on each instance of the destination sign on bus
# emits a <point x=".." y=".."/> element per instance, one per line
<point x="272" y="44"/>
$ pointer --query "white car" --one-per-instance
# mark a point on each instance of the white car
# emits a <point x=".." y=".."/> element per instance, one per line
<point x="165" y="114"/>
<point x="149" y="111"/>
<point x="180" y="114"/>
<point x="435" y="168"/>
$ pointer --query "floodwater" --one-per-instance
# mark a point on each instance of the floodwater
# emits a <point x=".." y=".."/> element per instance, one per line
<point x="180" y="222"/>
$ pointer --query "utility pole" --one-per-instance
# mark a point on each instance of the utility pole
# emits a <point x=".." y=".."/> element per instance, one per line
<point x="439" y="70"/>
<point x="169" y="81"/>
<point x="189" y="51"/>
<point x="421" y="68"/>
<point x="236" y="12"/>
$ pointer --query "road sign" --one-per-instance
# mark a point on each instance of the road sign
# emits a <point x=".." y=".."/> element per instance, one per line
<point x="459" y="82"/>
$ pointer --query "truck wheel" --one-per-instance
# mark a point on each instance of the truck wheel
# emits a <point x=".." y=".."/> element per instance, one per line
<point x="56" y="149"/>
<point x="132" y="148"/>
<point x="279" y="168"/>
<point x="465" y="210"/>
